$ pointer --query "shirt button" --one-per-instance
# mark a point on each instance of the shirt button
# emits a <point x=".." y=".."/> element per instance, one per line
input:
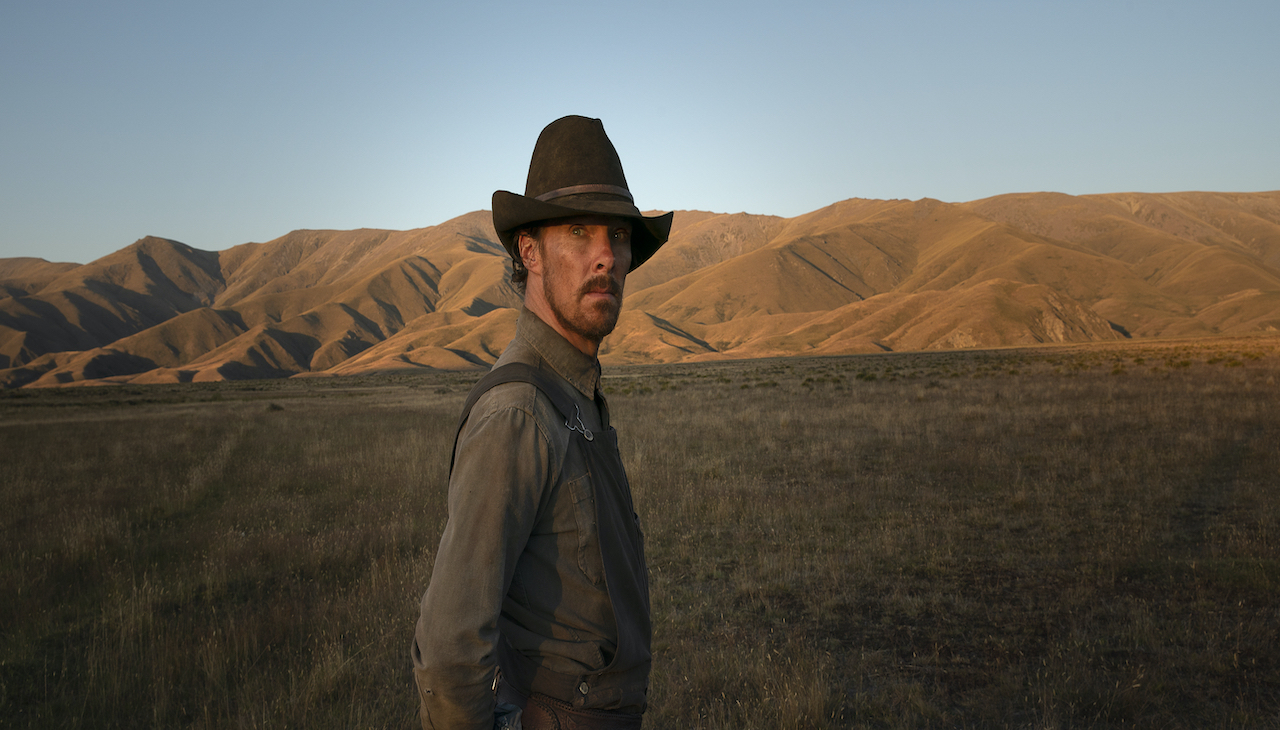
<point x="583" y="688"/>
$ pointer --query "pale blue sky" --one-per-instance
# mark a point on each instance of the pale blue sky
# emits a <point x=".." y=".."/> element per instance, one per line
<point x="220" y="123"/>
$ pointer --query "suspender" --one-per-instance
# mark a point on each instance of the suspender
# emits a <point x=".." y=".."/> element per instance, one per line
<point x="516" y="372"/>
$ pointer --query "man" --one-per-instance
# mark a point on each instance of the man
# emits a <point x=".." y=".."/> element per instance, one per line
<point x="539" y="597"/>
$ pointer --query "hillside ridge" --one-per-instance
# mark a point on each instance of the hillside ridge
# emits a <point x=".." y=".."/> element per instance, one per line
<point x="855" y="276"/>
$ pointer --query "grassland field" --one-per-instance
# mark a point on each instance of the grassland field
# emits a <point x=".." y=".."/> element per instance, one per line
<point x="1050" y="537"/>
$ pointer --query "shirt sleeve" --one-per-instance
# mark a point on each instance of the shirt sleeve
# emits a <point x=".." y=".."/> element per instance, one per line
<point x="502" y="469"/>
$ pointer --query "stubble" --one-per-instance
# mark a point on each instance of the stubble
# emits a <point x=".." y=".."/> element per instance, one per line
<point x="592" y="320"/>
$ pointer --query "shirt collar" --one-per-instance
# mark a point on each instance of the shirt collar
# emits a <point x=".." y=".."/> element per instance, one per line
<point x="581" y="370"/>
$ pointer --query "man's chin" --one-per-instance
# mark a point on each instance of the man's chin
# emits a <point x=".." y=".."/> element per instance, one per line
<point x="593" y="319"/>
<point x="598" y="322"/>
<point x="602" y="328"/>
<point x="608" y="313"/>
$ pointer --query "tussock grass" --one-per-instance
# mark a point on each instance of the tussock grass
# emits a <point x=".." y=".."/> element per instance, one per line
<point x="236" y="562"/>
<point x="1054" y="537"/>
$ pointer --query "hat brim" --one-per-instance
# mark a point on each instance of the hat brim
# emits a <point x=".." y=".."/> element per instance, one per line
<point x="511" y="212"/>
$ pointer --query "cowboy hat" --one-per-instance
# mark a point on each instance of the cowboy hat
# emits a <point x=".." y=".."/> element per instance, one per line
<point x="575" y="170"/>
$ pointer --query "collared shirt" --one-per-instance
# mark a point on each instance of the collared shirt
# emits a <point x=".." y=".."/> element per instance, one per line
<point x="519" y="554"/>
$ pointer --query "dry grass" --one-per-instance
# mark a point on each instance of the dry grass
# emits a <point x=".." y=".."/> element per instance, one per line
<point x="1058" y="537"/>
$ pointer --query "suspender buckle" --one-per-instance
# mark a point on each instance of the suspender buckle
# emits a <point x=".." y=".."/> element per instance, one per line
<point x="581" y="427"/>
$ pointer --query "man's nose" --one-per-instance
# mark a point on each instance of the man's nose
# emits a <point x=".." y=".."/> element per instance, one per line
<point x="602" y="249"/>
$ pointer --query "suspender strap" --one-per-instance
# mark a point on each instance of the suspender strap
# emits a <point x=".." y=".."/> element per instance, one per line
<point x="516" y="372"/>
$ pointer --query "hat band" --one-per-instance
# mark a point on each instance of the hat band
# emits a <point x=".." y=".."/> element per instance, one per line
<point x="579" y="189"/>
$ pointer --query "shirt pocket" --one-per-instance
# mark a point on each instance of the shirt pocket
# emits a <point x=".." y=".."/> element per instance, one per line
<point x="588" y="530"/>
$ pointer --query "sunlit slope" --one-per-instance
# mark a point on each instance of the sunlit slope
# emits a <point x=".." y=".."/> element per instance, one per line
<point x="131" y="290"/>
<point x="701" y="239"/>
<point x="855" y="276"/>
<point x="870" y="275"/>
<point x="303" y="303"/>
<point x="1195" y="252"/>
<point x="25" y="275"/>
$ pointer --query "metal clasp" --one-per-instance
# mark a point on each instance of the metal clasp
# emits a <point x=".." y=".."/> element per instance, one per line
<point x="581" y="427"/>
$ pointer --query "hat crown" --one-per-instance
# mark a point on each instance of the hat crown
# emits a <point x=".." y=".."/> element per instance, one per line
<point x="573" y="152"/>
<point x="576" y="171"/>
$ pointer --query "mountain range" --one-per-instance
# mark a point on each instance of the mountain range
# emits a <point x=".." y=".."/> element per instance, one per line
<point x="855" y="276"/>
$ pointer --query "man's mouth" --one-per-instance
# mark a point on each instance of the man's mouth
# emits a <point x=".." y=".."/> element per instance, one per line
<point x="602" y="285"/>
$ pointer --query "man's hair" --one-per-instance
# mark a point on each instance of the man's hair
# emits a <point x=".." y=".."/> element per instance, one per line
<point x="519" y="274"/>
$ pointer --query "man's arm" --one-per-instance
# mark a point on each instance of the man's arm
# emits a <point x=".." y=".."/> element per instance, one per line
<point x="498" y="479"/>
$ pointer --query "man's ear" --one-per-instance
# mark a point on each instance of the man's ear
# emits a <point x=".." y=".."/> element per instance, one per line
<point x="528" y="248"/>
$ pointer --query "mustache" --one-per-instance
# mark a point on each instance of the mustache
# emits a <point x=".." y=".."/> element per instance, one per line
<point x="601" y="283"/>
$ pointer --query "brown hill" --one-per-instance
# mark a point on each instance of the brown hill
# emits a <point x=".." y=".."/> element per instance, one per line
<point x="90" y="306"/>
<point x="24" y="275"/>
<point x="1193" y="251"/>
<point x="856" y="276"/>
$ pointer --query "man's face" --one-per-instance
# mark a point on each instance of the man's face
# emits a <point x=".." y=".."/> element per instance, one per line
<point x="584" y="263"/>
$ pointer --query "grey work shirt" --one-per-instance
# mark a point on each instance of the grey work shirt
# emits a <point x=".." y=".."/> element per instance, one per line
<point x="543" y="589"/>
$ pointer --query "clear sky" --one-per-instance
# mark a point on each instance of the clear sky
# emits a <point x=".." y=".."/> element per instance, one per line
<point x="220" y="123"/>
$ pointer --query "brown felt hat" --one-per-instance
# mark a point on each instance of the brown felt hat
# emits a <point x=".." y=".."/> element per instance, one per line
<point x="576" y="170"/>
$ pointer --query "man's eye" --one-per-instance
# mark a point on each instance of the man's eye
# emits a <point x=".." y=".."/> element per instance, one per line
<point x="621" y="234"/>
<point x="576" y="230"/>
